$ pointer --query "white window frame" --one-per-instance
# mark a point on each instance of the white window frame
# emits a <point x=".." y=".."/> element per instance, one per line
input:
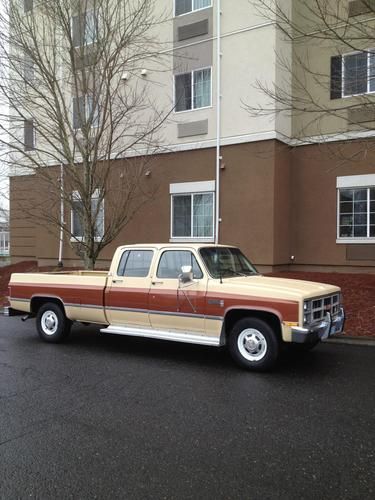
<point x="191" y="189"/>
<point x="354" y="182"/>
<point x="76" y="196"/>
<point x="368" y="91"/>
<point x="190" y="11"/>
<point x="192" y="88"/>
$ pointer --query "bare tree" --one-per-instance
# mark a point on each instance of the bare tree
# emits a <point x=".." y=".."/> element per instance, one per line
<point x="325" y="55"/>
<point x="82" y="119"/>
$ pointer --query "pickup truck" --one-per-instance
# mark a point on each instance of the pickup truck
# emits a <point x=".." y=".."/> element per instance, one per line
<point x="196" y="293"/>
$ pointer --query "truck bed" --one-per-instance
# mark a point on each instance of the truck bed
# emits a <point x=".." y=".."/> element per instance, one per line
<point x="81" y="292"/>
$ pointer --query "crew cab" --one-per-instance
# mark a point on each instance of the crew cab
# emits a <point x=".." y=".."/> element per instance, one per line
<point x="195" y="293"/>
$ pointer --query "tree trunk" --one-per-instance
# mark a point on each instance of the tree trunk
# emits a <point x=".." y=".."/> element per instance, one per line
<point x="88" y="260"/>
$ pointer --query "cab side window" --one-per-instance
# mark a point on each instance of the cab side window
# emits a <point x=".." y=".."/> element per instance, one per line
<point x="135" y="263"/>
<point x="171" y="262"/>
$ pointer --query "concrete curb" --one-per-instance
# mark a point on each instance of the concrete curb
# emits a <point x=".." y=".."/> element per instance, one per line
<point x="367" y="341"/>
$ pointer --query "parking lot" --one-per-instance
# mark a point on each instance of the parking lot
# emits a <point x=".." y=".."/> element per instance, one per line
<point x="115" y="417"/>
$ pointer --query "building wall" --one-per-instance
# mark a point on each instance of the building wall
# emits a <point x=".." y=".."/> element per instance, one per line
<point x="315" y="169"/>
<point x="276" y="202"/>
<point x="247" y="205"/>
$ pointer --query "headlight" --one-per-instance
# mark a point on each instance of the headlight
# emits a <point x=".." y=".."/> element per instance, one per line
<point x="307" y="305"/>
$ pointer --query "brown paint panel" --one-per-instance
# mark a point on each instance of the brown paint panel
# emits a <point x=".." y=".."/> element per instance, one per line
<point x="132" y="298"/>
<point x="71" y="294"/>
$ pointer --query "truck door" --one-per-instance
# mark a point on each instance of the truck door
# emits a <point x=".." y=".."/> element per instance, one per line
<point x="127" y="291"/>
<point x="175" y="306"/>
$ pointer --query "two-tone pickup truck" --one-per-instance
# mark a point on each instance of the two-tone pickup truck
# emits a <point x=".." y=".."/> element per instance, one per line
<point x="201" y="294"/>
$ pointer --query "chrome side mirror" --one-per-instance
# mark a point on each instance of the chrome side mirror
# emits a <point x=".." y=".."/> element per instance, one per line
<point x="186" y="274"/>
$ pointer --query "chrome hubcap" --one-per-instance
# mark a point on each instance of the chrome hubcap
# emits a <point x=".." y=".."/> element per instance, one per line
<point x="252" y="344"/>
<point x="49" y="322"/>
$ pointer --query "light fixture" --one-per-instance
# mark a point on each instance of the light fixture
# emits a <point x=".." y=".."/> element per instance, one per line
<point x="144" y="72"/>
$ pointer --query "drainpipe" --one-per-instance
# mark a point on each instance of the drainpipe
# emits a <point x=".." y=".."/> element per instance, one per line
<point x="62" y="221"/>
<point x="218" y="119"/>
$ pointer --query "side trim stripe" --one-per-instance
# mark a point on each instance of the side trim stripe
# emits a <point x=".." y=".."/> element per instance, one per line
<point x="134" y="310"/>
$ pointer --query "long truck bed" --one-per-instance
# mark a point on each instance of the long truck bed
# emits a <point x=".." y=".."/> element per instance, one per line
<point x="75" y="289"/>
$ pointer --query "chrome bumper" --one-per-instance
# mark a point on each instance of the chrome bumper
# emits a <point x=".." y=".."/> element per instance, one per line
<point x="326" y="328"/>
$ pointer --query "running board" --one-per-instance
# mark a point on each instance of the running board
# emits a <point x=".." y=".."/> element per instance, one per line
<point x="189" y="338"/>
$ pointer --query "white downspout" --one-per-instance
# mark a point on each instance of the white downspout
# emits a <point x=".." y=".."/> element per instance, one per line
<point x="62" y="221"/>
<point x="218" y="119"/>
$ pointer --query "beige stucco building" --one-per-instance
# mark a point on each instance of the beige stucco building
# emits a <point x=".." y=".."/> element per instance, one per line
<point x="296" y="189"/>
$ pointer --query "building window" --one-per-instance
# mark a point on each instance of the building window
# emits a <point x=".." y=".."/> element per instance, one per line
<point x="193" y="90"/>
<point x="192" y="210"/>
<point x="28" y="69"/>
<point x="186" y="6"/>
<point x="356" y="209"/>
<point x="83" y="112"/>
<point x="353" y="74"/>
<point x="27" y="5"/>
<point x="77" y="215"/>
<point x="29" y="135"/>
<point x="4" y="242"/>
<point x="84" y="29"/>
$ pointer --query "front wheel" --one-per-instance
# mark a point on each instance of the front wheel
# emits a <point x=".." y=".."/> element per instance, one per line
<point x="52" y="324"/>
<point x="253" y="344"/>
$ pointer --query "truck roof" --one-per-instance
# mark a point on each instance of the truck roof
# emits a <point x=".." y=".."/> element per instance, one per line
<point x="158" y="246"/>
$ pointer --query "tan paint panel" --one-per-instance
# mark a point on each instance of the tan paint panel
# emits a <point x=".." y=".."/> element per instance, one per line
<point x="89" y="315"/>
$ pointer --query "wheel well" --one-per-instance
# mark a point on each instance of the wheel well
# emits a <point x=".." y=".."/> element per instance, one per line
<point x="38" y="302"/>
<point x="235" y="315"/>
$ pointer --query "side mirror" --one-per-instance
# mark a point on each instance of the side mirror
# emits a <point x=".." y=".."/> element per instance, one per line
<point x="186" y="274"/>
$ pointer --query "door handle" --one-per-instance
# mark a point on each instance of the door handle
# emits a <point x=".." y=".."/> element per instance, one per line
<point x="157" y="282"/>
<point x="117" y="281"/>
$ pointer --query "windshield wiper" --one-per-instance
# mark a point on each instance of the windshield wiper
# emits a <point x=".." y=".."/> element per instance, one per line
<point x="232" y="271"/>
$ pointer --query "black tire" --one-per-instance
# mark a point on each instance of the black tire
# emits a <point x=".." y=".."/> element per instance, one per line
<point x="253" y="344"/>
<point x="52" y="324"/>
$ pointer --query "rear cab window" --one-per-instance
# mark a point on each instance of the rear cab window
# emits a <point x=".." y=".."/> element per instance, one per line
<point x="135" y="263"/>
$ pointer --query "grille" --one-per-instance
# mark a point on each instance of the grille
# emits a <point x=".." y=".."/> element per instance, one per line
<point x="315" y="310"/>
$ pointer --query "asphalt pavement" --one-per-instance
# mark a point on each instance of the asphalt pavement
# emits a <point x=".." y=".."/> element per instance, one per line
<point x="115" y="417"/>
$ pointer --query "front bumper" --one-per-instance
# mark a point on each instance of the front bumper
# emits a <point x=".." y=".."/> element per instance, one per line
<point x="326" y="328"/>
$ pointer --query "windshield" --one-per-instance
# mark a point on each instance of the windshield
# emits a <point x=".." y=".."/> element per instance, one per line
<point x="224" y="262"/>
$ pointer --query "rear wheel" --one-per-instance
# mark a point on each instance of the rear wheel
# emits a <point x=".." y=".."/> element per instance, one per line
<point x="52" y="324"/>
<point x="253" y="344"/>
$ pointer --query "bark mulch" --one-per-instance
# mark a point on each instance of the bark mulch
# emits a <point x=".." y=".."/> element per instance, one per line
<point x="358" y="292"/>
